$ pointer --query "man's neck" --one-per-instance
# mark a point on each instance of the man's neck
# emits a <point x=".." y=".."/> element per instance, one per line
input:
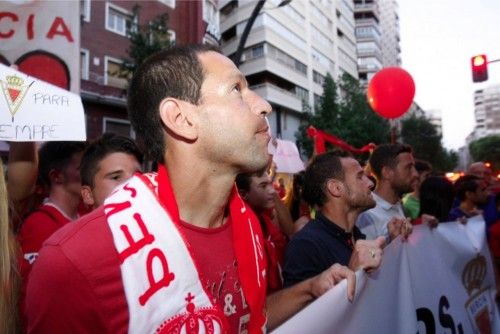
<point x="65" y="201"/>
<point x="468" y="206"/>
<point x="341" y="216"/>
<point x="202" y="193"/>
<point x="386" y="192"/>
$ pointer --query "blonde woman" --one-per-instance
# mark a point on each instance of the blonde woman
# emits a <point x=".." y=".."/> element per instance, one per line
<point x="9" y="279"/>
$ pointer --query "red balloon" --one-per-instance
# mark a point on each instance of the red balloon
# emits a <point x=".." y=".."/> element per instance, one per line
<point x="390" y="92"/>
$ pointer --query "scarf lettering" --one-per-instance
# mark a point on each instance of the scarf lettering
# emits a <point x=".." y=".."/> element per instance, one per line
<point x="161" y="283"/>
<point x="135" y="246"/>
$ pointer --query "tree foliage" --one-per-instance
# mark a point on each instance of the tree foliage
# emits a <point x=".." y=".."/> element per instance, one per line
<point x="344" y="112"/>
<point x="486" y="149"/>
<point x="422" y="136"/>
<point x="146" y="39"/>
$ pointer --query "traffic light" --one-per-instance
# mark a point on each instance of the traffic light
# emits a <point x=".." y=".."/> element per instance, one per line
<point x="479" y="65"/>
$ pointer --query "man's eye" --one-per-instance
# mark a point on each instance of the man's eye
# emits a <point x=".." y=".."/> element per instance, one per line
<point x="237" y="88"/>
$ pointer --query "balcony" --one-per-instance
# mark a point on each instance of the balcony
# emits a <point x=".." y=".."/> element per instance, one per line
<point x="276" y="95"/>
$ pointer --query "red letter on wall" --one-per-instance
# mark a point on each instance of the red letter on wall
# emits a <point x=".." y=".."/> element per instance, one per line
<point x="59" y="22"/>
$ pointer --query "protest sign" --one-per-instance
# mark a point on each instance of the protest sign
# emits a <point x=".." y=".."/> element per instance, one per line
<point x="440" y="280"/>
<point x="33" y="110"/>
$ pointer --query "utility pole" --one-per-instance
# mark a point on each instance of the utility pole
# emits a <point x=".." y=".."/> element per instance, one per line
<point x="246" y="32"/>
<point x="248" y="27"/>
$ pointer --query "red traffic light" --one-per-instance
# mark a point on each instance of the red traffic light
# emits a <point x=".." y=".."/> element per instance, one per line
<point x="479" y="65"/>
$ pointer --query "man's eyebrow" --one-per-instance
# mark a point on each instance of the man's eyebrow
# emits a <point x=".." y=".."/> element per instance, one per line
<point x="238" y="76"/>
<point x="116" y="171"/>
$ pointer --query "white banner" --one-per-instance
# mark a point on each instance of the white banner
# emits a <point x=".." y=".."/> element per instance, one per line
<point x="439" y="281"/>
<point x="33" y="110"/>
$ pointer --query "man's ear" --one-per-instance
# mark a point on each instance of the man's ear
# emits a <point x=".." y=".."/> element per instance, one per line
<point x="176" y="115"/>
<point x="335" y="188"/>
<point x="87" y="196"/>
<point x="387" y="172"/>
<point x="243" y="194"/>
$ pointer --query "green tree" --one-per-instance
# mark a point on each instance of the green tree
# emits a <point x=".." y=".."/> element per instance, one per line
<point x="344" y="112"/>
<point x="422" y="136"/>
<point x="145" y="40"/>
<point x="486" y="149"/>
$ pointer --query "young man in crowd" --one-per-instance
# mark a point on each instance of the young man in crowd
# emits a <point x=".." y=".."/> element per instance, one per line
<point x="177" y="250"/>
<point x="472" y="193"/>
<point x="259" y="193"/>
<point x="336" y="184"/>
<point x="106" y="163"/>
<point x="393" y="167"/>
<point x="411" y="201"/>
<point x="59" y="173"/>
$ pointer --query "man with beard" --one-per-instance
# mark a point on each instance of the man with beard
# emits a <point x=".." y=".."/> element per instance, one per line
<point x="393" y="167"/>
<point x="336" y="184"/>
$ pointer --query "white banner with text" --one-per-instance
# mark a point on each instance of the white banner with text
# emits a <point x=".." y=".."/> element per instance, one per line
<point x="438" y="281"/>
<point x="33" y="110"/>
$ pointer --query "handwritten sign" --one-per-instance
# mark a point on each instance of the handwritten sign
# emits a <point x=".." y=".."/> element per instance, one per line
<point x="34" y="110"/>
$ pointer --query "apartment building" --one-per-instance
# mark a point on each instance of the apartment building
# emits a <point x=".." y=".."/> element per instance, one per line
<point x="487" y="111"/>
<point x="368" y="38"/>
<point x="390" y="36"/>
<point x="290" y="49"/>
<point x="104" y="45"/>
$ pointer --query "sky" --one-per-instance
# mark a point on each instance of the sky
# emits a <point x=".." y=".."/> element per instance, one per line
<point x="438" y="38"/>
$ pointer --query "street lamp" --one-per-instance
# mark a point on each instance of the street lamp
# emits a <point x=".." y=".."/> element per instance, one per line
<point x="248" y="27"/>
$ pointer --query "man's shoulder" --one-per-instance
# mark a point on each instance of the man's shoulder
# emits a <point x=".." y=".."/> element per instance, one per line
<point x="87" y="243"/>
<point x="82" y="228"/>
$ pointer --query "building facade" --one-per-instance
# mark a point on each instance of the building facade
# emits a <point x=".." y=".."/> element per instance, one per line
<point x="104" y="45"/>
<point x="368" y="38"/>
<point x="487" y="111"/>
<point x="390" y="36"/>
<point x="289" y="51"/>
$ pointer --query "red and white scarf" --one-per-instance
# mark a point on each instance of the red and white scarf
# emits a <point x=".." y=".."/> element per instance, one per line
<point x="160" y="277"/>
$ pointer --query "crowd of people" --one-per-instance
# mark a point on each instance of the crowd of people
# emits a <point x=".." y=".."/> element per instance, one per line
<point x="92" y="243"/>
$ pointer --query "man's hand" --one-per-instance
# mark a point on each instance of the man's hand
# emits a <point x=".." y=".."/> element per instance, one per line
<point x="398" y="226"/>
<point x="430" y="220"/>
<point x="330" y="277"/>
<point x="367" y="254"/>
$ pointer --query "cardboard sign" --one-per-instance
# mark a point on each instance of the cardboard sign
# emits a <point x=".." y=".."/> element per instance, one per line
<point x="33" y="110"/>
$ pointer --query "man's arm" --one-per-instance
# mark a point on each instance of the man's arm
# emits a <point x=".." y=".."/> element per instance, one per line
<point x="283" y="217"/>
<point x="287" y="302"/>
<point x="59" y="299"/>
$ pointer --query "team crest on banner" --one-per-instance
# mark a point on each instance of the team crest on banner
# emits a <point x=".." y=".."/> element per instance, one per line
<point x="14" y="91"/>
<point x="479" y="305"/>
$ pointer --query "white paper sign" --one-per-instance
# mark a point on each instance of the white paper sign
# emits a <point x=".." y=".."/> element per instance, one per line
<point x="439" y="281"/>
<point x="33" y="110"/>
<point x="287" y="157"/>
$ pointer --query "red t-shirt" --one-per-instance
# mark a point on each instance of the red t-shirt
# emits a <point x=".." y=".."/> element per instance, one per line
<point x="80" y="263"/>
<point x="215" y="260"/>
<point x="35" y="229"/>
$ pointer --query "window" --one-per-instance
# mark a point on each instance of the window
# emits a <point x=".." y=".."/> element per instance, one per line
<point x="302" y="93"/>
<point x="118" y="126"/>
<point x="113" y="74"/>
<point x="170" y="3"/>
<point x="85" y="10"/>
<point x="171" y="36"/>
<point x="118" y="20"/>
<point x="84" y="64"/>
<point x="318" y="78"/>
